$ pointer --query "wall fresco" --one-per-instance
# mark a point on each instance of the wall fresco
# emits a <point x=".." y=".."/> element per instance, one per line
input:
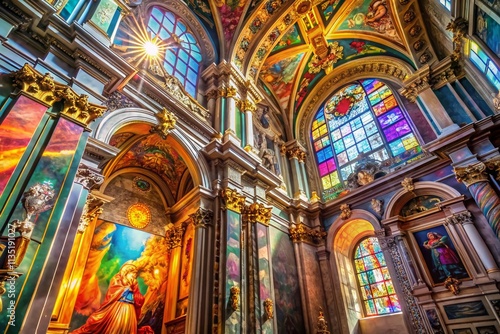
<point x="232" y="305"/>
<point x="264" y="277"/>
<point x="16" y="131"/>
<point x="290" y="38"/>
<point x="288" y="308"/>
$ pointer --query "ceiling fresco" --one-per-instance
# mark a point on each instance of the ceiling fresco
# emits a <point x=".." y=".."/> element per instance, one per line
<point x="154" y="154"/>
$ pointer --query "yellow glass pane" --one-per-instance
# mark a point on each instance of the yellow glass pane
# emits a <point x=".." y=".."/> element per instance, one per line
<point x="323" y="130"/>
<point x="315" y="134"/>
<point x="334" y="178"/>
<point x="326" y="182"/>
<point x="410" y="142"/>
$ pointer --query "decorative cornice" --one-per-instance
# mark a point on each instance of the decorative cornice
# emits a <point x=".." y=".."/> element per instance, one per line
<point x="212" y="94"/>
<point x="174" y="236"/>
<point x="471" y="174"/>
<point x="91" y="210"/>
<point x="256" y="212"/>
<point x="233" y="200"/>
<point x="415" y="85"/>
<point x="246" y="105"/>
<point x="117" y="100"/>
<point x="231" y="91"/>
<point x="176" y="90"/>
<point x="202" y="217"/>
<point x="88" y="177"/>
<point x="166" y="123"/>
<point x="43" y="88"/>
<point x="302" y="233"/>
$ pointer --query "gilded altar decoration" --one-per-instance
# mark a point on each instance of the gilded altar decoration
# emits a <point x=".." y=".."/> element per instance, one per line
<point x="91" y="210"/>
<point x="297" y="153"/>
<point x="452" y="284"/>
<point x="35" y="201"/>
<point x="166" y="123"/>
<point x="471" y="174"/>
<point x="44" y="89"/>
<point x="408" y="185"/>
<point x="232" y="200"/>
<point x="88" y="177"/>
<point x="345" y="211"/>
<point x="234" y="298"/>
<point x="268" y="309"/>
<point x="139" y="215"/>
<point x="322" y="326"/>
<point x="302" y="233"/>
<point x="314" y="197"/>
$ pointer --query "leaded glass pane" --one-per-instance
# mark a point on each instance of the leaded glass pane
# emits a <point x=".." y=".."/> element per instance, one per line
<point x="349" y="140"/>
<point x="326" y="182"/>
<point x="342" y="158"/>
<point x="339" y="146"/>
<point x="390" y="118"/>
<point x="383" y="305"/>
<point x="378" y="289"/>
<point x="363" y="279"/>
<point x="352" y="153"/>
<point x="359" y="135"/>
<point x="370" y="307"/>
<point x="397" y="147"/>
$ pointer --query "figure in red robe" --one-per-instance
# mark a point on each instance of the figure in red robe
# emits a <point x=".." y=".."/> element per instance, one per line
<point x="121" y="309"/>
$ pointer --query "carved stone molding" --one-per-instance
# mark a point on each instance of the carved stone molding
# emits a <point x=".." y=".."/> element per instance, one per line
<point x="302" y="233"/>
<point x="471" y="174"/>
<point x="414" y="86"/>
<point x="174" y="236"/>
<point x="233" y="200"/>
<point x="408" y="185"/>
<point x="166" y="123"/>
<point x="212" y="94"/>
<point x="202" y="217"/>
<point x="377" y="205"/>
<point x="91" y="210"/>
<point x="44" y="89"/>
<point x="176" y="89"/>
<point x="345" y="211"/>
<point x="297" y="153"/>
<point x="246" y="105"/>
<point x="88" y="177"/>
<point x="459" y="218"/>
<point x="117" y="100"/>
<point x="256" y="212"/>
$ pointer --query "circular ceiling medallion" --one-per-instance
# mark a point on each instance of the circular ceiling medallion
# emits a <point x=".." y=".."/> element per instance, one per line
<point x="303" y="7"/>
<point x="141" y="184"/>
<point x="139" y="215"/>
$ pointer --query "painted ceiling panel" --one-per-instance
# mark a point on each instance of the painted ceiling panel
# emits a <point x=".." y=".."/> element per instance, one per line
<point x="290" y="39"/>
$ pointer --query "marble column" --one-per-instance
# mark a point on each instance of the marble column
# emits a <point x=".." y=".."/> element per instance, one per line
<point x="297" y="157"/>
<point x="199" y="298"/>
<point x="475" y="178"/>
<point x="248" y="108"/>
<point x="465" y="218"/>
<point x="230" y="114"/>
<point x="174" y="238"/>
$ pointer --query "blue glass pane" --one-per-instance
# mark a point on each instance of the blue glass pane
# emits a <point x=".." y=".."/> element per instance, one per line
<point x="170" y="57"/>
<point x="477" y="61"/>
<point x="169" y="26"/>
<point x="346" y="171"/>
<point x="339" y="146"/>
<point x="157" y="13"/>
<point x="181" y="67"/>
<point x="193" y="64"/>
<point x="183" y="55"/>
<point x="154" y="26"/>
<point x="336" y="135"/>
<point x="349" y="140"/>
<point x="352" y="153"/>
<point x="356" y="123"/>
<point x="328" y="152"/>
<point x="321" y="156"/>
<point x="163" y="34"/>
<point x="376" y="141"/>
<point x="170" y="18"/>
<point x="359" y="135"/>
<point x="345" y="129"/>
<point x="397" y="147"/>
<point x="190" y="88"/>
<point x="342" y="158"/>
<point x="179" y="76"/>
<point x="169" y="68"/>
<point x="192" y="76"/>
<point x="366" y="118"/>
<point x="364" y="146"/>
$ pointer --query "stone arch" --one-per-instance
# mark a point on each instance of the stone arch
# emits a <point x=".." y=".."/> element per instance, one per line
<point x="400" y="198"/>
<point x="195" y="161"/>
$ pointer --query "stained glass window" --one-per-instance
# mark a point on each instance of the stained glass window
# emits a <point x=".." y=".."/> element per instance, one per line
<point x="484" y="63"/>
<point x="183" y="60"/>
<point x="362" y="119"/>
<point x="377" y="291"/>
<point x="446" y="3"/>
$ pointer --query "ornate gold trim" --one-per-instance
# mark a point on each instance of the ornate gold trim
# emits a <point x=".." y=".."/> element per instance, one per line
<point x="345" y="211"/>
<point x="256" y="212"/>
<point x="494" y="165"/>
<point x="91" y="210"/>
<point x="297" y="153"/>
<point x="166" y="123"/>
<point x="303" y="233"/>
<point x="174" y="236"/>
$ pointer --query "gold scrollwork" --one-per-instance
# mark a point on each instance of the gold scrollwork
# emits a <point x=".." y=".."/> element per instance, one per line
<point x="233" y="200"/>
<point x="234" y="297"/>
<point x="471" y="174"/>
<point x="268" y="309"/>
<point x="302" y="233"/>
<point x="414" y="86"/>
<point x="231" y="91"/>
<point x="256" y="212"/>
<point x="297" y="153"/>
<point x="494" y="164"/>
<point x="174" y="236"/>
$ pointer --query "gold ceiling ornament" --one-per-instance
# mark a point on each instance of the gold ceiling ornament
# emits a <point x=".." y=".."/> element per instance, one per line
<point x="325" y="54"/>
<point x="139" y="215"/>
<point x="233" y="200"/>
<point x="471" y="174"/>
<point x="345" y="211"/>
<point x="166" y="123"/>
<point x="303" y="7"/>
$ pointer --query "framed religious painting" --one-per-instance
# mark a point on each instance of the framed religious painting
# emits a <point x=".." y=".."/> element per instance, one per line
<point x="439" y="255"/>
<point x="470" y="310"/>
<point x="490" y="327"/>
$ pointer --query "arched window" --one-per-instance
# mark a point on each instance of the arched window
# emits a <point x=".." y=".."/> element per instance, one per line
<point x="181" y="60"/>
<point x="360" y="121"/>
<point x="446" y="4"/>
<point x="377" y="291"/>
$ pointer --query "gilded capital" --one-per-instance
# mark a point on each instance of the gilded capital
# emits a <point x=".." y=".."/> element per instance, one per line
<point x="202" y="217"/>
<point x="256" y="212"/>
<point x="415" y="86"/>
<point x="246" y="105"/>
<point x="174" y="236"/>
<point x="459" y="218"/>
<point x="297" y="153"/>
<point x="494" y="165"/>
<point x="33" y="83"/>
<point x="471" y="174"/>
<point x="233" y="200"/>
<point x="78" y="108"/>
<point x="166" y="123"/>
<point x="213" y="94"/>
<point x="91" y="210"/>
<point x="302" y="233"/>
<point x="88" y="178"/>
<point x="231" y="91"/>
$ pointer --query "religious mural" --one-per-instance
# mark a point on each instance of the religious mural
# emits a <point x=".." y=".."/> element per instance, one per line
<point x="290" y="38"/>
<point x="126" y="273"/>
<point x="328" y="10"/>
<point x="432" y="316"/>
<point x="420" y="204"/>
<point x="288" y="307"/>
<point x="488" y="30"/>
<point x="439" y="254"/>
<point x="465" y="310"/>
<point x="233" y="273"/>
<point x="264" y="278"/>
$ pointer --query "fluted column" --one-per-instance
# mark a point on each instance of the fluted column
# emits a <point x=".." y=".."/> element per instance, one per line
<point x="199" y="306"/>
<point x="475" y="178"/>
<point x="465" y="219"/>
